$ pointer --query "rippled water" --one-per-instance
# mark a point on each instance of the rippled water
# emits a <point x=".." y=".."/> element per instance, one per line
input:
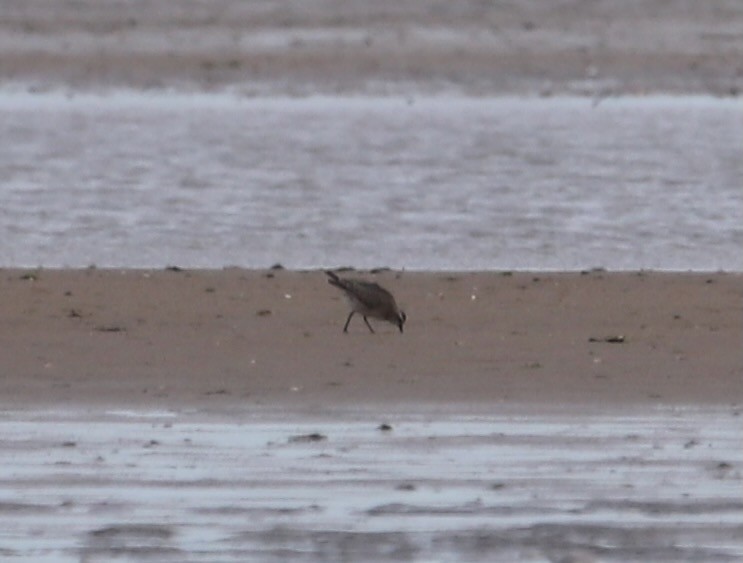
<point x="657" y="485"/>
<point x="432" y="183"/>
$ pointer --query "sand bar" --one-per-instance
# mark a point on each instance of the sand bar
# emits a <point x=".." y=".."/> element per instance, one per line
<point x="216" y="338"/>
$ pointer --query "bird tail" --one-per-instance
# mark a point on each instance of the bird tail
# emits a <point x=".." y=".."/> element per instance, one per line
<point x="334" y="280"/>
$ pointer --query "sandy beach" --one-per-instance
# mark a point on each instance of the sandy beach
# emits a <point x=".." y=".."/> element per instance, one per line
<point x="210" y="338"/>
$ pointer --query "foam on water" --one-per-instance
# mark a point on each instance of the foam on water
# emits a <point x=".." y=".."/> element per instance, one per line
<point x="135" y="180"/>
<point x="661" y="485"/>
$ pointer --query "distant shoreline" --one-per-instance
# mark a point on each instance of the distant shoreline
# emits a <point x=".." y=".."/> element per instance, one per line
<point x="376" y="48"/>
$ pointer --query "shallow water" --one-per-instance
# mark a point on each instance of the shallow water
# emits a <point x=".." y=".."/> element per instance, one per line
<point x="515" y="484"/>
<point x="130" y="180"/>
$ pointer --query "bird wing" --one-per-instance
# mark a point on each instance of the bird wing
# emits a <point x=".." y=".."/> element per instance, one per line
<point x="369" y="294"/>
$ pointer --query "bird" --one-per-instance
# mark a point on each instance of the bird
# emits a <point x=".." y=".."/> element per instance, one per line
<point x="368" y="299"/>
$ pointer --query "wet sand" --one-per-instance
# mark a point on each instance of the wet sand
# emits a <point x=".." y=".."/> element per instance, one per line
<point x="400" y="48"/>
<point x="515" y="484"/>
<point x="211" y="339"/>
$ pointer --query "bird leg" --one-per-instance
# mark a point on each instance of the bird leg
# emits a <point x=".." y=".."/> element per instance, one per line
<point x="367" y="324"/>
<point x="348" y="320"/>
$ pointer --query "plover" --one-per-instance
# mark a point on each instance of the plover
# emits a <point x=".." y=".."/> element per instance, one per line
<point x="368" y="299"/>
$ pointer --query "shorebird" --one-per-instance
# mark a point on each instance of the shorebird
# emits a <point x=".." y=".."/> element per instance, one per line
<point x="368" y="299"/>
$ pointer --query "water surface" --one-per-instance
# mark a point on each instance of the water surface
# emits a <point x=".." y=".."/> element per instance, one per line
<point x="137" y="180"/>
